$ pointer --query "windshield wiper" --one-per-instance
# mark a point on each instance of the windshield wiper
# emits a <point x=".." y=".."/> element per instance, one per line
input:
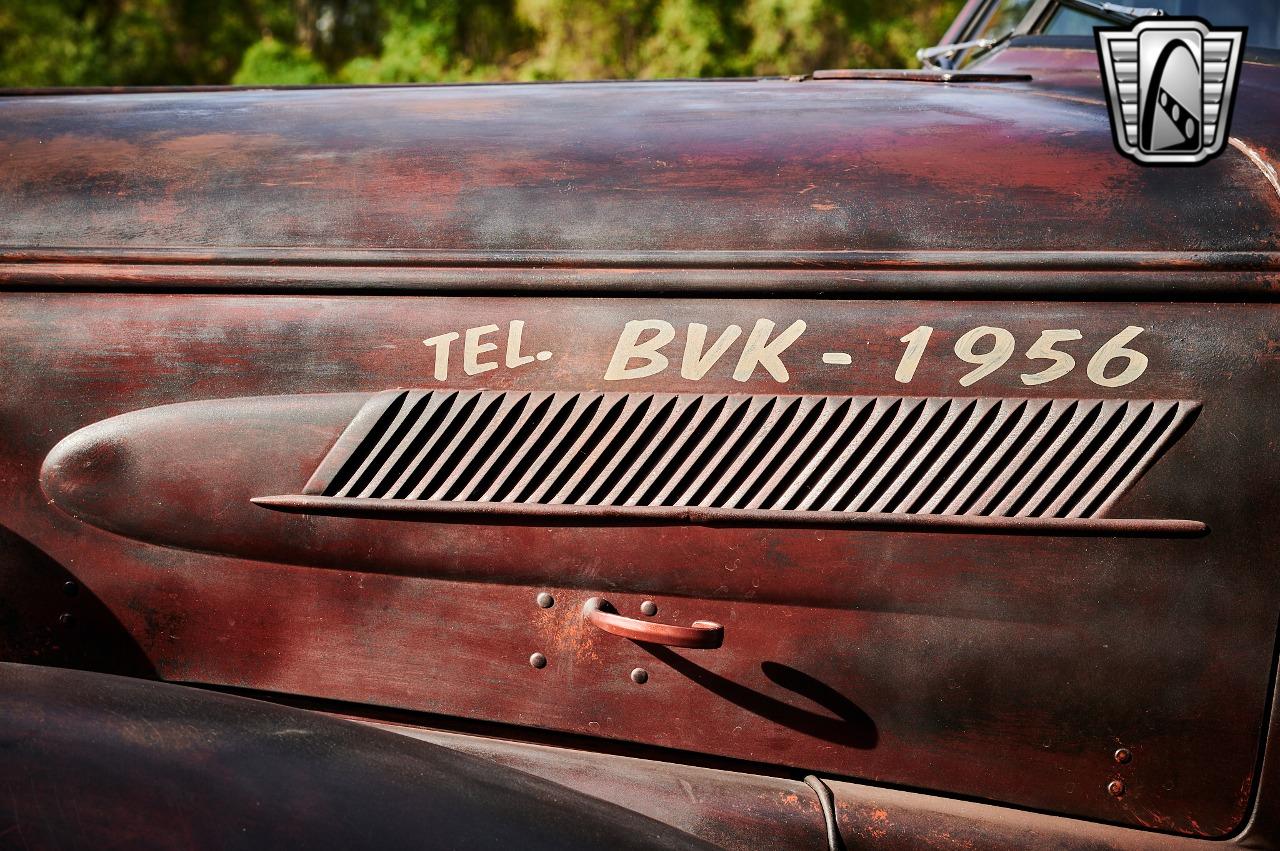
<point x="926" y="55"/>
<point x="1112" y="12"/>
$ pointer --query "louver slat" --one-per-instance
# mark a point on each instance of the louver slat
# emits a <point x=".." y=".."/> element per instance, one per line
<point x="784" y="457"/>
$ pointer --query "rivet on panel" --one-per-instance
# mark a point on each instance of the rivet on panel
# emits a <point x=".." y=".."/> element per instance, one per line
<point x="67" y="619"/>
<point x="648" y="607"/>
<point x="1115" y="788"/>
<point x="545" y="600"/>
<point x="70" y="588"/>
<point x="639" y="676"/>
<point x="1123" y="755"/>
<point x="537" y="660"/>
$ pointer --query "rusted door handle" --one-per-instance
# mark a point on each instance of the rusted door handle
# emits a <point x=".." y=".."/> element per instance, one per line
<point x="703" y="634"/>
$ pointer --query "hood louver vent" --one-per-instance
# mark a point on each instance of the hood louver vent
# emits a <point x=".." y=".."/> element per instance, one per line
<point x="961" y="457"/>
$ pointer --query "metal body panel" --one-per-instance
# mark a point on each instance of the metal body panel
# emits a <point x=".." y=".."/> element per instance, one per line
<point x="264" y="263"/>
<point x="94" y="761"/>
<point x="735" y="810"/>
<point x="668" y="166"/>
<point x="981" y="664"/>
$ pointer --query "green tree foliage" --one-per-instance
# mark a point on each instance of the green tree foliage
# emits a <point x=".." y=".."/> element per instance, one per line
<point x="273" y="61"/>
<point x="254" y="42"/>
<point x="128" y="42"/>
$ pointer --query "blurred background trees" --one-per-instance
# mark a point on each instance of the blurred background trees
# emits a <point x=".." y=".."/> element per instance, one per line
<point x="157" y="42"/>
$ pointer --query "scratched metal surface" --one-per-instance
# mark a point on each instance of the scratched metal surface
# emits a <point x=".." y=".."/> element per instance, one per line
<point x="1007" y="668"/>
<point x="769" y="165"/>
<point x="1003" y="667"/>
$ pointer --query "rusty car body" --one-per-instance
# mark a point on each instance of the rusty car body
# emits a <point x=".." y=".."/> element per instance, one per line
<point x="851" y="460"/>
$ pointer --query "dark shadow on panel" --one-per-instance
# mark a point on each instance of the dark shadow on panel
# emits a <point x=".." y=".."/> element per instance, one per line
<point x="48" y="617"/>
<point x="847" y="724"/>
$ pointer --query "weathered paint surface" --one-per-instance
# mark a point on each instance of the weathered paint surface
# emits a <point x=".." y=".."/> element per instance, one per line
<point x="737" y="811"/>
<point x="769" y="165"/>
<point x="1003" y="667"/>
<point x="946" y="661"/>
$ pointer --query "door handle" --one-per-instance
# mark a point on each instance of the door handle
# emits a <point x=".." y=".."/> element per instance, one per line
<point x="703" y="634"/>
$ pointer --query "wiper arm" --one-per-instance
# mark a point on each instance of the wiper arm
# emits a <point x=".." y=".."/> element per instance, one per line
<point x="1112" y="12"/>
<point x="926" y="55"/>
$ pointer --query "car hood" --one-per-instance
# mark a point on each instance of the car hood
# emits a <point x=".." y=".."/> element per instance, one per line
<point x="751" y="165"/>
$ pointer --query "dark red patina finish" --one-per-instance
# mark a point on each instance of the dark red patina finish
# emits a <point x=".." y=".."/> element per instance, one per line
<point x="273" y="260"/>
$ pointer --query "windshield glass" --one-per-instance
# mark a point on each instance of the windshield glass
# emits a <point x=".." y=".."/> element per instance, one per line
<point x="1262" y="17"/>
<point x="1006" y="16"/>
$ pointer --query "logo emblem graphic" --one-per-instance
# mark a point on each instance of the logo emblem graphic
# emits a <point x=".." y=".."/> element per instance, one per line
<point x="1170" y="86"/>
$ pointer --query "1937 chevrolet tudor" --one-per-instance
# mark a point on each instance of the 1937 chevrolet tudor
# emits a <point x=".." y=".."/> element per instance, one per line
<point x="858" y="460"/>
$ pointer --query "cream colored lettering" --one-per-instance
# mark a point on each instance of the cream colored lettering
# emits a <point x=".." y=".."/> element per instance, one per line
<point x="761" y="351"/>
<point x="1114" y="349"/>
<point x="630" y="347"/>
<point x="1043" y="349"/>
<point x="472" y="349"/>
<point x="988" y="362"/>
<point x="916" y="342"/>
<point x="696" y="364"/>
<point x="513" y="358"/>
<point x="441" y="342"/>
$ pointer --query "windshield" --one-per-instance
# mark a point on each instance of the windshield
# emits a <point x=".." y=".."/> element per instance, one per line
<point x="1262" y="17"/>
<point x="1006" y="15"/>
